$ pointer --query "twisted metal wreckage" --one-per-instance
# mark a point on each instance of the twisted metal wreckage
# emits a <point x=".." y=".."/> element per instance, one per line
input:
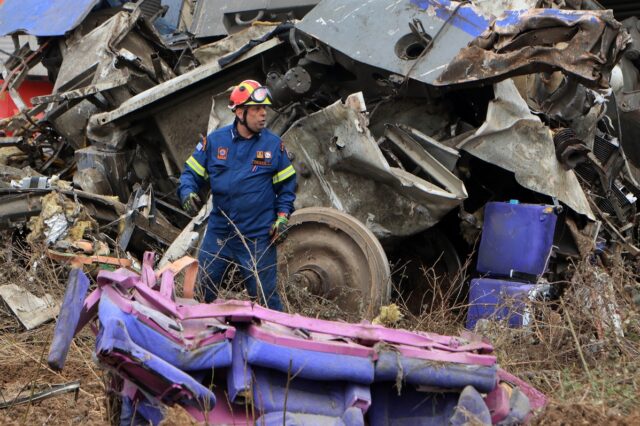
<point x="403" y="119"/>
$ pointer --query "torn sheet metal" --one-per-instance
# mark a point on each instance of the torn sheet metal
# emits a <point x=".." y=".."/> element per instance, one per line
<point x="30" y="310"/>
<point x="142" y="219"/>
<point x="498" y="7"/>
<point x="102" y="69"/>
<point x="172" y="88"/>
<point x="448" y="27"/>
<point x="188" y="238"/>
<point x="43" y="17"/>
<point x="428" y="163"/>
<point x="584" y="44"/>
<point x="350" y="173"/>
<point x="18" y="206"/>
<point x="627" y="97"/>
<point x="516" y="140"/>
<point x="442" y="153"/>
<point x="181" y="106"/>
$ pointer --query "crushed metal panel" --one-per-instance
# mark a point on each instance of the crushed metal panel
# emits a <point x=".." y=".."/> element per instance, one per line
<point x="583" y="44"/>
<point x="444" y="154"/>
<point x="449" y="25"/>
<point x="30" y="310"/>
<point x="171" y="88"/>
<point x="210" y="53"/>
<point x="105" y="55"/>
<point x="340" y="165"/>
<point x="516" y="140"/>
<point x="215" y="18"/>
<point x="43" y="17"/>
<point x="428" y="163"/>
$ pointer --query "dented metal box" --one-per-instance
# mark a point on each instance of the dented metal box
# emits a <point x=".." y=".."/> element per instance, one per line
<point x="516" y="239"/>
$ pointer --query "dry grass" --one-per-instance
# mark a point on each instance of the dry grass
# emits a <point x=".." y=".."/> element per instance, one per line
<point x="23" y="354"/>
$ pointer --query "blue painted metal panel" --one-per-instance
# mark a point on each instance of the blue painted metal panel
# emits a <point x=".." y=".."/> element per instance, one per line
<point x="334" y="22"/>
<point x="466" y="17"/>
<point x="43" y="17"/>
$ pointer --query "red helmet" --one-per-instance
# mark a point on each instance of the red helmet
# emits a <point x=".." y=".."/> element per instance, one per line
<point x="249" y="92"/>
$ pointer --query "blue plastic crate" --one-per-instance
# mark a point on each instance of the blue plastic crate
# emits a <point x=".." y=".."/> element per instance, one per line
<point x="498" y="300"/>
<point x="516" y="238"/>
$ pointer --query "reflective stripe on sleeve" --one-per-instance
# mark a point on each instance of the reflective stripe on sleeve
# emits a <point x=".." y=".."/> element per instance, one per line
<point x="284" y="174"/>
<point x="196" y="167"/>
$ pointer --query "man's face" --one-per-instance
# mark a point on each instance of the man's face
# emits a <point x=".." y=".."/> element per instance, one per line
<point x="256" y="117"/>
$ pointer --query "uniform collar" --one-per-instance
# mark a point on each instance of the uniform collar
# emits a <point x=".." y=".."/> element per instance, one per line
<point x="236" y="136"/>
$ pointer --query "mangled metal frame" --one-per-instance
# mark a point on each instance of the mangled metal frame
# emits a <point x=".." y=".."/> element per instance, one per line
<point x="340" y="165"/>
<point x="419" y="58"/>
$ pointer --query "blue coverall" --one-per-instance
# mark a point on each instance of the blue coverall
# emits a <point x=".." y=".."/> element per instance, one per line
<point x="251" y="181"/>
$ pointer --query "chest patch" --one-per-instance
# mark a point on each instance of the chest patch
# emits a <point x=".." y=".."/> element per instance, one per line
<point x="222" y="153"/>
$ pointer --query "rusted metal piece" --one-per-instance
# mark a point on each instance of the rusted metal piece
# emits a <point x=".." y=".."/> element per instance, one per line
<point x="42" y="395"/>
<point x="78" y="259"/>
<point x="570" y="150"/>
<point x="586" y="45"/>
<point x="336" y="257"/>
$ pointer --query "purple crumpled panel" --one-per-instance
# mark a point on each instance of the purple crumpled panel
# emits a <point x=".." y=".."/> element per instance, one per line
<point x="471" y="409"/>
<point x="408" y="406"/>
<point x="151" y="374"/>
<point x="390" y="364"/>
<point x="307" y="364"/>
<point x="272" y="388"/>
<point x="70" y="313"/>
<point x="352" y="417"/>
<point x="216" y="355"/>
<point x="240" y="375"/>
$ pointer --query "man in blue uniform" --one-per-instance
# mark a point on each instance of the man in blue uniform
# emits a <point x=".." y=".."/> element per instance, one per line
<point x="253" y="187"/>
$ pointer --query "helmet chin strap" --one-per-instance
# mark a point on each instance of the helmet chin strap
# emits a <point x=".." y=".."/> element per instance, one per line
<point x="243" y="121"/>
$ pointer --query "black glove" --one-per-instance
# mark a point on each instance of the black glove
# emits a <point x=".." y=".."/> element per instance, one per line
<point x="192" y="204"/>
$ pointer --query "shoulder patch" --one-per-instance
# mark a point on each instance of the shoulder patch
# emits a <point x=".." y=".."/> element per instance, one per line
<point x="202" y="145"/>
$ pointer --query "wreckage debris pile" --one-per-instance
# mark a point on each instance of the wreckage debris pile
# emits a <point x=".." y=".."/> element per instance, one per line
<point x="166" y="351"/>
<point x="405" y="148"/>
